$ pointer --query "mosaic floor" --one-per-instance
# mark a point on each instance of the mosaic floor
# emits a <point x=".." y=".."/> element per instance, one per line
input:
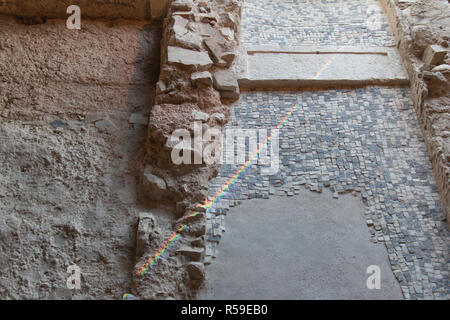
<point x="315" y="22"/>
<point x="365" y="141"/>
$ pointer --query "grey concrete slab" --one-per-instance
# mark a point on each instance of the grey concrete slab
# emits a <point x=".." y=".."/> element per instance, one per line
<point x="299" y="67"/>
<point x="309" y="246"/>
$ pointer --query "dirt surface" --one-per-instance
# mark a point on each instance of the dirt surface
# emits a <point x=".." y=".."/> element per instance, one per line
<point x="67" y="190"/>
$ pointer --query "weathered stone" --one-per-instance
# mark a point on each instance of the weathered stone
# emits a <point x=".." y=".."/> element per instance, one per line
<point x="218" y="118"/>
<point x="198" y="242"/>
<point x="434" y="55"/>
<point x="443" y="68"/>
<point x="146" y="227"/>
<point x="196" y="270"/>
<point x="225" y="80"/>
<point x="154" y="186"/>
<point x="200" y="116"/>
<point x="179" y="25"/>
<point x="191" y="218"/>
<point x="204" y="78"/>
<point x="228" y="20"/>
<point x="215" y="52"/>
<point x="204" y="7"/>
<point x="182" y="5"/>
<point x="188" y="58"/>
<point x="183" y="37"/>
<point x="161" y="87"/>
<point x="137" y="118"/>
<point x="194" y="254"/>
<point x="434" y="77"/>
<point x="228" y="57"/>
<point x="233" y="95"/>
<point x="227" y="33"/>
<point x="210" y="18"/>
<point x="190" y="40"/>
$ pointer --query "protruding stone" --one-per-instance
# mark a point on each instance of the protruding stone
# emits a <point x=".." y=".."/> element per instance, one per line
<point x="207" y="18"/>
<point x="146" y="227"/>
<point x="204" y="78"/>
<point x="200" y="116"/>
<point x="182" y="5"/>
<point x="227" y="33"/>
<point x="443" y="68"/>
<point x="215" y="52"/>
<point x="194" y="254"/>
<point x="196" y="272"/>
<point x="233" y="95"/>
<point x="228" y="57"/>
<point x="434" y="55"/>
<point x="228" y="20"/>
<point x="179" y="25"/>
<point x="161" y="87"/>
<point x="218" y="118"/>
<point x="154" y="186"/>
<point x="188" y="58"/>
<point x="198" y="242"/>
<point x="225" y="80"/>
<point x="187" y="39"/>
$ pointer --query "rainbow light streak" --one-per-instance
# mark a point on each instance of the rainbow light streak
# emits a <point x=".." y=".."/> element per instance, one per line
<point x="208" y="204"/>
<point x="330" y="61"/>
<point x="163" y="248"/>
<point x="238" y="173"/>
<point x="216" y="197"/>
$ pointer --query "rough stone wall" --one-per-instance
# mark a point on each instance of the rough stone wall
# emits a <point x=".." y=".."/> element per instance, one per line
<point x="196" y="82"/>
<point x="110" y="9"/>
<point x="198" y="48"/>
<point x="421" y="29"/>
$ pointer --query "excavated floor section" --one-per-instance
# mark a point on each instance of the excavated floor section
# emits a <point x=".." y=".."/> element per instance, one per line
<point x="74" y="106"/>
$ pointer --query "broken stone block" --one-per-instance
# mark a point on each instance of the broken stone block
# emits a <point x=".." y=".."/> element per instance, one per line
<point x="200" y="116"/>
<point x="182" y="5"/>
<point x="229" y="21"/>
<point x="218" y="118"/>
<point x="153" y="186"/>
<point x="204" y="78"/>
<point x="233" y="95"/>
<point x="188" y="58"/>
<point x="225" y="80"/>
<point x="161" y="87"/>
<point x="194" y="254"/>
<point x="436" y="82"/>
<point x="204" y="7"/>
<point x="443" y="68"/>
<point x="137" y="118"/>
<point x="182" y="36"/>
<point x="228" y="57"/>
<point x="434" y="55"/>
<point x="189" y="40"/>
<point x="198" y="242"/>
<point x="146" y="227"/>
<point x="215" y="52"/>
<point x="206" y="18"/>
<point x="196" y="272"/>
<point x="190" y="219"/>
<point x="179" y="25"/>
<point x="227" y="33"/>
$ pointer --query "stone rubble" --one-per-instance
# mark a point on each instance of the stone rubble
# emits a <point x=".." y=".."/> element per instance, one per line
<point x="421" y="30"/>
<point x="199" y="39"/>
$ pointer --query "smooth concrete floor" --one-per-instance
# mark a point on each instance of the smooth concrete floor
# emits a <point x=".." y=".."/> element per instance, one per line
<point x="309" y="246"/>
